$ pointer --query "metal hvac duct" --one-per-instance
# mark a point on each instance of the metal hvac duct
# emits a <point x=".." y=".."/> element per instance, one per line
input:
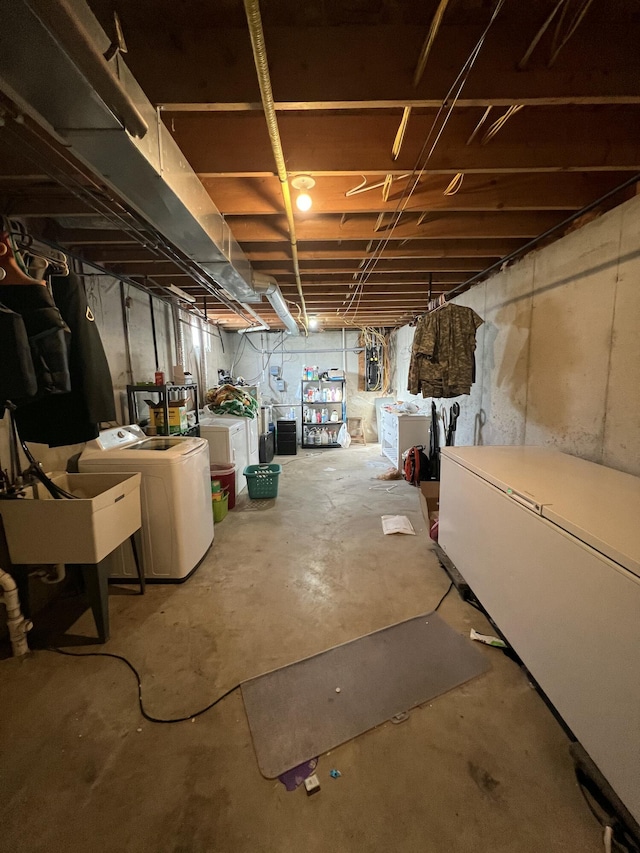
<point x="61" y="83"/>
<point x="269" y="286"/>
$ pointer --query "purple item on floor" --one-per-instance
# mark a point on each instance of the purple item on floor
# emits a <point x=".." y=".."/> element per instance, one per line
<point x="292" y="779"/>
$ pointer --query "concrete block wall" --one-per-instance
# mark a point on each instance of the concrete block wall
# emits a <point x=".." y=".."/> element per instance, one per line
<point x="558" y="356"/>
<point x="324" y="349"/>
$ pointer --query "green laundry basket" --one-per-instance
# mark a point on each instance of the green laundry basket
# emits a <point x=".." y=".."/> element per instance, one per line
<point x="262" y="480"/>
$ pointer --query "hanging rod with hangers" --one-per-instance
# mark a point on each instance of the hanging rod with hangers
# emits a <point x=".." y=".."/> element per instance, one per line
<point x="28" y="244"/>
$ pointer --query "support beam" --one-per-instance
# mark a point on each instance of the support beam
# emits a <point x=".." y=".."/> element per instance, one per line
<point x="333" y="63"/>
<point x="557" y="191"/>
<point x="248" y="229"/>
<point x="544" y="139"/>
<point x="327" y="251"/>
<point x="377" y="278"/>
<point x="385" y="266"/>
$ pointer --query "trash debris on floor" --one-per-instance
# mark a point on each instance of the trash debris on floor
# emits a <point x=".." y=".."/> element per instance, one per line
<point x="402" y="717"/>
<point x="335" y="774"/>
<point x="397" y="524"/>
<point x="383" y="488"/>
<point x="293" y="778"/>
<point x="488" y="640"/>
<point x="389" y="474"/>
<point x="312" y="785"/>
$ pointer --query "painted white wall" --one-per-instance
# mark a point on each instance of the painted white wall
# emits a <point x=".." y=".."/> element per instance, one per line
<point x="254" y="354"/>
<point x="558" y="356"/>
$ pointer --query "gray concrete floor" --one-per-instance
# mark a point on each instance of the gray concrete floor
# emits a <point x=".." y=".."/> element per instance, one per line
<point x="483" y="768"/>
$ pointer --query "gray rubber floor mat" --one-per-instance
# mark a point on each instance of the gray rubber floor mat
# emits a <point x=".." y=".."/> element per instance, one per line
<point x="308" y="707"/>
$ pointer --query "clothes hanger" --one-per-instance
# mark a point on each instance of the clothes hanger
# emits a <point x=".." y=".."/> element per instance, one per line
<point x="442" y="301"/>
<point x="9" y="266"/>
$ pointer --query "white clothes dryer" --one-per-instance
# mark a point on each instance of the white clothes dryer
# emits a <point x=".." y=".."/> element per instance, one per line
<point x="251" y="433"/>
<point x="227" y="444"/>
<point x="177" y="520"/>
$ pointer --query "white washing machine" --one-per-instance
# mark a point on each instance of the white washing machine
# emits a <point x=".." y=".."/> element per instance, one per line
<point x="227" y="444"/>
<point x="177" y="521"/>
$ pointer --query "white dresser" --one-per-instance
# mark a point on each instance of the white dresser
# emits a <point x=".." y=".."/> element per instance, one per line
<point x="549" y="544"/>
<point x="400" y="432"/>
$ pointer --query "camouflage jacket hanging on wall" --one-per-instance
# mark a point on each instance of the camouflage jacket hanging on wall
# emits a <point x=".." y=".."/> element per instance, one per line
<point x="442" y="357"/>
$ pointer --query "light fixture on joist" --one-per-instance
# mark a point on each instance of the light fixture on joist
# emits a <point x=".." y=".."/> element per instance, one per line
<point x="303" y="183"/>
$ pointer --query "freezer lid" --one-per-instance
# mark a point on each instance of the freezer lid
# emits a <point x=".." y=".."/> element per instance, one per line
<point x="529" y="472"/>
<point x="598" y="505"/>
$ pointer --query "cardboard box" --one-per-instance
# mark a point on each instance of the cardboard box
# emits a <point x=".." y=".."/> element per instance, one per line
<point x="85" y="530"/>
<point x="177" y="417"/>
<point x="429" y="500"/>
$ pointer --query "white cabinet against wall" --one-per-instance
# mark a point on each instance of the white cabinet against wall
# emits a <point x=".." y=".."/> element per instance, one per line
<point x="400" y="432"/>
<point x="549" y="544"/>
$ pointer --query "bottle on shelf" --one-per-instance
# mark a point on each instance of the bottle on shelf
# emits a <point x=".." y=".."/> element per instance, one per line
<point x="325" y="415"/>
<point x="334" y="415"/>
<point x="324" y="437"/>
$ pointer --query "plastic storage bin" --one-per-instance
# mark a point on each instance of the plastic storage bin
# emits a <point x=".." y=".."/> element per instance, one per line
<point x="262" y="480"/>
<point x="226" y="473"/>
<point x="220" y="508"/>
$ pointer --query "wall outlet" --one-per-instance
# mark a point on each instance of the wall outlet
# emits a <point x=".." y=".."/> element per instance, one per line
<point x="281" y="385"/>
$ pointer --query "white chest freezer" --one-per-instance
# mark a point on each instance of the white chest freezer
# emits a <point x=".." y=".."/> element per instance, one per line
<point x="175" y="495"/>
<point x="550" y="545"/>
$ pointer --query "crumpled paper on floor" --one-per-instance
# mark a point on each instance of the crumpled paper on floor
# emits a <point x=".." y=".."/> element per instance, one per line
<point x="397" y="524"/>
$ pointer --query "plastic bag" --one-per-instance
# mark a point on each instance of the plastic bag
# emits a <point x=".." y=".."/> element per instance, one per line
<point x="344" y="439"/>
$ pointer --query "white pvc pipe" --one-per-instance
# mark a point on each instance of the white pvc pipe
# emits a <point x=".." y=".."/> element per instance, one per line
<point x="17" y="624"/>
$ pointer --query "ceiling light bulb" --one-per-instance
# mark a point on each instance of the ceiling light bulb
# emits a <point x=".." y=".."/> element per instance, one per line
<point x="303" y="183"/>
<point x="313" y="323"/>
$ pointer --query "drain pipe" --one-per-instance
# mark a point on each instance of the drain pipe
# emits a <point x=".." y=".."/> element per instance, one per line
<point x="178" y="333"/>
<point x="204" y="367"/>
<point x="269" y="286"/>
<point x="254" y="21"/>
<point x="263" y="323"/>
<point x="18" y="626"/>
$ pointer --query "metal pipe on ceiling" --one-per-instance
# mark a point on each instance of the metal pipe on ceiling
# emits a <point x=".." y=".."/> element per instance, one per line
<point x="267" y="285"/>
<point x="254" y="21"/>
<point x="64" y="25"/>
<point x="262" y="323"/>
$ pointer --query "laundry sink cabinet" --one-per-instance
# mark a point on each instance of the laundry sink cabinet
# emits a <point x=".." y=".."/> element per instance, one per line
<point x="42" y="530"/>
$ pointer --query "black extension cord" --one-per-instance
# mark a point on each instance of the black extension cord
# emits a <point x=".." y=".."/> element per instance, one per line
<point x="128" y="663"/>
<point x="144" y="713"/>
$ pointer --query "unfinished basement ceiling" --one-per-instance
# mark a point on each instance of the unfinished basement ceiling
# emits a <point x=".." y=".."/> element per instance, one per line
<point x="343" y="75"/>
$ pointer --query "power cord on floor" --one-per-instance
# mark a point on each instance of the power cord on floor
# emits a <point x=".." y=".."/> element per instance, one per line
<point x="616" y="839"/>
<point x="437" y="607"/>
<point x="144" y="713"/>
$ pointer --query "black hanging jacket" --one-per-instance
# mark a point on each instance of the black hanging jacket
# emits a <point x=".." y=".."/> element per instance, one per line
<point x="47" y="334"/>
<point x="74" y="417"/>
